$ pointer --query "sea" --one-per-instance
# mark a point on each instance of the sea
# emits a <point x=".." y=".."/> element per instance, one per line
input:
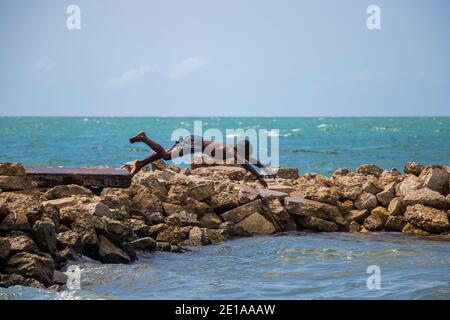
<point x="292" y="266"/>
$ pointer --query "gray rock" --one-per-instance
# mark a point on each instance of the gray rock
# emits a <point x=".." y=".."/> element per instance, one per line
<point x="435" y="178"/>
<point x="110" y="253"/>
<point x="425" y="196"/>
<point x="211" y="221"/>
<point x="45" y="235"/>
<point x="357" y="215"/>
<point x="385" y="196"/>
<point x="411" y="182"/>
<point x="240" y="213"/>
<point x="144" y="244"/>
<point x="318" y="224"/>
<point x="33" y="266"/>
<point x="256" y="224"/>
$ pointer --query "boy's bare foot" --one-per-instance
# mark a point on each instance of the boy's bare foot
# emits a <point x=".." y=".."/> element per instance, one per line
<point x="138" y="137"/>
<point x="137" y="166"/>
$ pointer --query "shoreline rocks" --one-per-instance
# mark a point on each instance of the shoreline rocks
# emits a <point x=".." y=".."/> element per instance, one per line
<point x="168" y="208"/>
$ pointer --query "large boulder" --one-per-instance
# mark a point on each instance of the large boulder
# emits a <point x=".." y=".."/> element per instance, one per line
<point x="435" y="178"/>
<point x="412" y="229"/>
<point x="223" y="201"/>
<point x="281" y="216"/>
<point x="211" y="221"/>
<point x="357" y="215"/>
<point x="69" y="239"/>
<point x="427" y="218"/>
<point x="11" y="169"/>
<point x="413" y="168"/>
<point x="31" y="265"/>
<point x="256" y="224"/>
<point x="110" y="253"/>
<point x="247" y="193"/>
<point x="183" y="219"/>
<point x="15" y="221"/>
<point x="146" y="201"/>
<point x="377" y="220"/>
<point x="317" y="224"/>
<point x="425" y="196"/>
<point x="237" y="214"/>
<point x="366" y="201"/>
<point x="44" y="234"/>
<point x="21" y="242"/>
<point x="305" y="208"/>
<point x="396" y="207"/>
<point x="395" y="223"/>
<point x="385" y="196"/>
<point x="144" y="244"/>
<point x="350" y="185"/>
<point x="172" y="235"/>
<point x="411" y="182"/>
<point x="60" y="203"/>
<point x="221" y="172"/>
<point x="200" y="189"/>
<point x="15" y="183"/>
<point x="197" y="237"/>
<point x="66" y="191"/>
<point x="369" y="169"/>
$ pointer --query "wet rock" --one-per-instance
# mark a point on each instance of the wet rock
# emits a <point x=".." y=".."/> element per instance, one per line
<point x="305" y="207"/>
<point x="154" y="217"/>
<point x="396" y="207"/>
<point x="229" y="230"/>
<point x="384" y="197"/>
<point x="31" y="265"/>
<point x="15" y="221"/>
<point x="425" y="196"/>
<point x="396" y="223"/>
<point x="11" y="169"/>
<point x="411" y="182"/>
<point x="281" y="216"/>
<point x="287" y="173"/>
<point x="256" y="224"/>
<point x="144" y="244"/>
<point x="318" y="224"/>
<point x="5" y="248"/>
<point x="197" y="237"/>
<point x="59" y="277"/>
<point x="211" y="221"/>
<point x="69" y="239"/>
<point x="357" y="215"/>
<point x="371" y="169"/>
<point x="240" y="213"/>
<point x="14" y="183"/>
<point x="435" y="178"/>
<point x="9" y="280"/>
<point x="412" y="229"/>
<point x="110" y="253"/>
<point x="427" y="218"/>
<point x="117" y="228"/>
<point x="163" y="246"/>
<point x="413" y="168"/>
<point x="366" y="201"/>
<point x="376" y="221"/>
<point x="354" y="227"/>
<point x="45" y="235"/>
<point x="172" y="235"/>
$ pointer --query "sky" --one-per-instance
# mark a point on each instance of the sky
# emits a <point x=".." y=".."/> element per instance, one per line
<point x="225" y="58"/>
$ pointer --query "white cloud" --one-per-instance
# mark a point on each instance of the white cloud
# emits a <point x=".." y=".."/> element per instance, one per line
<point x="186" y="66"/>
<point x="43" y="64"/>
<point x="131" y="75"/>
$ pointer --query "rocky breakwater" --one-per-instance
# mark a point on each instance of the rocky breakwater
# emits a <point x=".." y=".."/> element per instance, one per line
<point x="173" y="209"/>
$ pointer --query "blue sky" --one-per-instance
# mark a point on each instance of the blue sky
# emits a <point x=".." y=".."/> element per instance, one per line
<point x="225" y="58"/>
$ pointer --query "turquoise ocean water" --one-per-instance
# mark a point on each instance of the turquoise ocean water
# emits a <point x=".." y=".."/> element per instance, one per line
<point x="311" y="144"/>
<point x="298" y="266"/>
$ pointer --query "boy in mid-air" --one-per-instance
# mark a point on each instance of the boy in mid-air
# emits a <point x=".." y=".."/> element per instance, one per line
<point x="240" y="152"/>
